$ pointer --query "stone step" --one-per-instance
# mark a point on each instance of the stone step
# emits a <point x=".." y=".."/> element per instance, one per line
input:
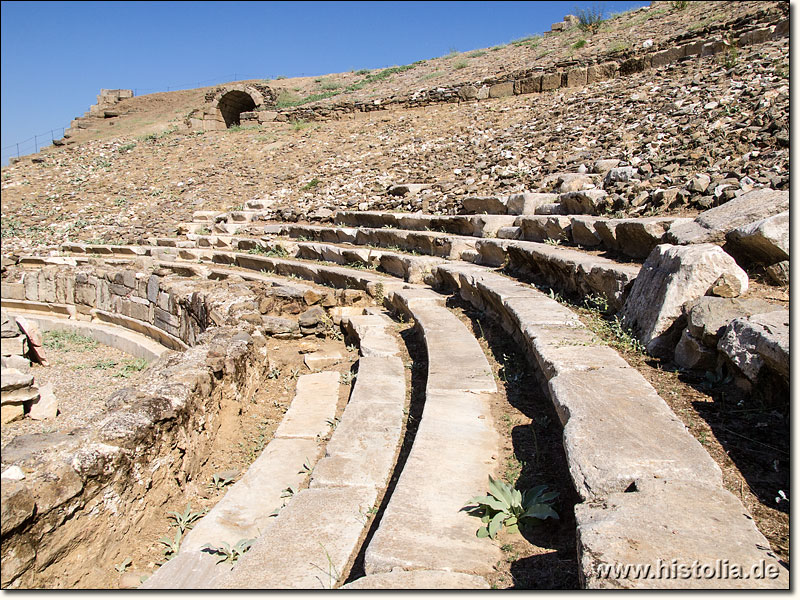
<point x="625" y="449"/>
<point x="563" y="268"/>
<point x="453" y="453"/>
<point x="311" y="541"/>
<point x="472" y="225"/>
<point x="247" y="509"/>
<point x="209" y="216"/>
<point x="418" y="580"/>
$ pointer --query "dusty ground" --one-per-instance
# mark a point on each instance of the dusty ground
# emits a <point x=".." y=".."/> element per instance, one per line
<point x="83" y="374"/>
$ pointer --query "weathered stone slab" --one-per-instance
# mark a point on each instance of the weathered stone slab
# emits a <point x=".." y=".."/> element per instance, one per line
<point x="16" y="346"/>
<point x="714" y="224"/>
<point x="666" y="520"/>
<point x="757" y="341"/>
<point x="608" y="448"/>
<point x="690" y="353"/>
<point x="765" y="241"/>
<point x="292" y="554"/>
<point x="192" y="570"/>
<point x="313" y="406"/>
<point x="372" y="332"/>
<point x="418" y="580"/>
<point x="245" y="509"/>
<point x="423" y="526"/>
<point x="585" y="202"/>
<point x="322" y="359"/>
<point x="670" y="277"/>
<point x="638" y="237"/>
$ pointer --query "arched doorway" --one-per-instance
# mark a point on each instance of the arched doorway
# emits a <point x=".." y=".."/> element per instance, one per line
<point x="233" y="104"/>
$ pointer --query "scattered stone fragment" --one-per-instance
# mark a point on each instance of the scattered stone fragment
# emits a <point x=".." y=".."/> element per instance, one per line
<point x="757" y="341"/>
<point x="765" y="241"/>
<point x="46" y="407"/>
<point x="320" y="360"/>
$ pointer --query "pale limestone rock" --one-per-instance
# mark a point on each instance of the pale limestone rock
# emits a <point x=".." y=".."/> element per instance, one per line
<point x="670" y="277"/>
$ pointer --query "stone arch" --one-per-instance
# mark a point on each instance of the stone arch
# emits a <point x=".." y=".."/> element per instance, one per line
<point x="233" y="104"/>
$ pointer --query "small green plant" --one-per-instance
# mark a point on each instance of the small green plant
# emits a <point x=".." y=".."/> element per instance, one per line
<point x="579" y="44"/>
<point x="287" y="493"/>
<point x="477" y="53"/>
<point x="274" y="373"/>
<point x="330" y="85"/>
<point x="306" y="467"/>
<point x="220" y="480"/>
<point x="310" y="185"/>
<point x="131" y="366"/>
<point x="347" y="378"/>
<point x="730" y="57"/>
<point x="462" y="64"/>
<point x="104" y="365"/>
<point x="363" y="71"/>
<point x="300" y="125"/>
<point x="528" y="40"/>
<point x="68" y="340"/>
<point x="679" y="4"/>
<point x="712" y="379"/>
<point x="332" y="423"/>
<point x="379" y="293"/>
<point x="171" y="545"/>
<point x="186" y="519"/>
<point x="590" y="18"/>
<point x="553" y="242"/>
<point x="126" y="148"/>
<point x="509" y="507"/>
<point x="230" y="554"/>
<point x="123" y="566"/>
<point x="281" y="77"/>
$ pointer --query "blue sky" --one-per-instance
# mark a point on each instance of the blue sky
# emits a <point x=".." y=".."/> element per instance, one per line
<point x="57" y="55"/>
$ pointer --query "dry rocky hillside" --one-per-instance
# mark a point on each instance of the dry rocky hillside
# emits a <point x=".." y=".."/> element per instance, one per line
<point x="588" y="230"/>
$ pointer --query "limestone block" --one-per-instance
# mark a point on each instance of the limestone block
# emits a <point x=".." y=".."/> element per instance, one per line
<point x="12" y="379"/>
<point x="765" y="241"/>
<point x="587" y="202"/>
<point x="9" y="327"/>
<point x="690" y="353"/>
<point x="638" y="237"/>
<point x="501" y="90"/>
<point x="491" y="205"/>
<point x="665" y="520"/>
<point x="529" y="85"/>
<point x="313" y="406"/>
<point x="665" y="57"/>
<point x="46" y="407"/>
<point x="322" y="359"/>
<point x="708" y="316"/>
<point x="551" y="81"/>
<point x="712" y="225"/>
<point x="584" y="232"/>
<point x="607" y="445"/>
<point x="20" y="363"/>
<point x="670" y="277"/>
<point x="281" y="558"/>
<point x="757" y="341"/>
<point x="779" y="273"/>
<point x="539" y="228"/>
<point x="12" y="291"/>
<point x="468" y="92"/>
<point x="602" y="72"/>
<point x="11" y="411"/>
<point x="576" y="77"/>
<point x="526" y="203"/>
<point x="14" y="346"/>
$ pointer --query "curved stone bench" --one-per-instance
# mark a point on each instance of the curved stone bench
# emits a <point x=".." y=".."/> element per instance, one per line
<point x="248" y="506"/>
<point x="651" y="493"/>
<point x="453" y="453"/>
<point x="311" y="541"/>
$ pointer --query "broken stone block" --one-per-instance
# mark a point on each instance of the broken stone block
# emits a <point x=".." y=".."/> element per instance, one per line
<point x="757" y="341"/>
<point x="670" y="277"/>
<point x="47" y="405"/>
<point x="11" y="412"/>
<point x="712" y="225"/>
<point x="491" y="205"/>
<point x="765" y="241"/>
<point x="20" y="363"/>
<point x="526" y="203"/>
<point x="779" y="273"/>
<point x="322" y="359"/>
<point x="690" y="353"/>
<point x="708" y="316"/>
<point x="584" y="202"/>
<point x="574" y="182"/>
<point x="280" y="327"/>
<point x="313" y="320"/>
<point x="9" y="327"/>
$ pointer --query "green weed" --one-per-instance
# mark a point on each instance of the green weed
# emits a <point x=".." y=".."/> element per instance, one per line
<point x="230" y="554"/>
<point x="68" y="340"/>
<point x="509" y="507"/>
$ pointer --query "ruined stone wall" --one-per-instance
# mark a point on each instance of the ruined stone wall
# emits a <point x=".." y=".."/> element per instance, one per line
<point x="83" y="491"/>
